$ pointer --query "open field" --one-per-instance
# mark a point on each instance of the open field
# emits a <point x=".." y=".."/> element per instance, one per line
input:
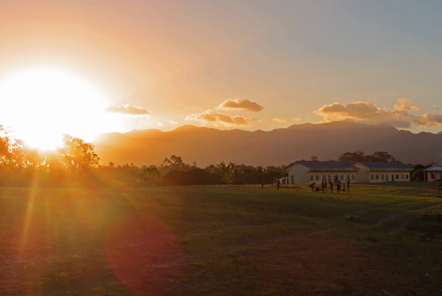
<point x="221" y="240"/>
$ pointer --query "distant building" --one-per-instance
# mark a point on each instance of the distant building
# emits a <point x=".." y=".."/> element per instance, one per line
<point x="377" y="172"/>
<point x="433" y="173"/>
<point x="316" y="171"/>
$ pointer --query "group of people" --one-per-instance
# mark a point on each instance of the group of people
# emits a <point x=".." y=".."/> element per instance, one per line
<point x="324" y="185"/>
<point x="339" y="186"/>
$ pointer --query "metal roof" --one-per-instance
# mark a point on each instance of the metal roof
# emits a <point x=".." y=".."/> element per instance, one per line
<point x="327" y="165"/>
<point x="433" y="168"/>
<point x="386" y="166"/>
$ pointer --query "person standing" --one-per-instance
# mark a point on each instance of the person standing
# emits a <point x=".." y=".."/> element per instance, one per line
<point x="348" y="185"/>
<point x="278" y="182"/>
<point x="331" y="186"/>
<point x="338" y="186"/>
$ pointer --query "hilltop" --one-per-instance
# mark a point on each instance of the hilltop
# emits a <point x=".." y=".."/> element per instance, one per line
<point x="277" y="147"/>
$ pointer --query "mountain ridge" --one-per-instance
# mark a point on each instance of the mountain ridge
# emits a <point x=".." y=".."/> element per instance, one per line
<point x="281" y="146"/>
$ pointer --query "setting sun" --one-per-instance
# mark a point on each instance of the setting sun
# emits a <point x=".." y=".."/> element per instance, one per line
<point x="42" y="104"/>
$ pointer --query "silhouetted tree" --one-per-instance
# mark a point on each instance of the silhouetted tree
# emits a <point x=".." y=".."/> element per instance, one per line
<point x="381" y="156"/>
<point x="77" y="154"/>
<point x="151" y="175"/>
<point x="195" y="176"/>
<point x="32" y="158"/>
<point x="352" y="157"/>
<point x="418" y="175"/>
<point x="12" y="150"/>
<point x="224" y="171"/>
<point x="175" y="163"/>
<point x="359" y="156"/>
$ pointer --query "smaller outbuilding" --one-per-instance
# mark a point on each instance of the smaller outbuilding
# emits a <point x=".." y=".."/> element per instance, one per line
<point x="377" y="172"/>
<point x="433" y="173"/>
<point x="315" y="171"/>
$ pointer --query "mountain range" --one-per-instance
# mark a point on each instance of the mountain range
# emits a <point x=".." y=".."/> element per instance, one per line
<point x="283" y="146"/>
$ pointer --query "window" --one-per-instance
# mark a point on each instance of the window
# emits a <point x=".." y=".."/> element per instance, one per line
<point x="402" y="177"/>
<point x="312" y="177"/>
<point x="377" y="177"/>
<point x="432" y="175"/>
<point x="397" y="177"/>
<point x="342" y="177"/>
<point x="348" y="177"/>
<point x="353" y="177"/>
<point x="371" y="177"/>
<point x="317" y="177"/>
<point x="329" y="178"/>
<point x="406" y="177"/>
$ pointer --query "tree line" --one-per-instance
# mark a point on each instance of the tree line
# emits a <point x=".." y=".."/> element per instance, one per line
<point x="75" y="161"/>
<point x="174" y="171"/>
<point x="73" y="154"/>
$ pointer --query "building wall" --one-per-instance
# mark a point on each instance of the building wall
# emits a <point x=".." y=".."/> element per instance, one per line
<point x="363" y="173"/>
<point x="433" y="176"/>
<point x="298" y="174"/>
<point x="380" y="177"/>
<point x="317" y="177"/>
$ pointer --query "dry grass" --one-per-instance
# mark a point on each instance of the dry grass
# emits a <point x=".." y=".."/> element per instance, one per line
<point x="221" y="240"/>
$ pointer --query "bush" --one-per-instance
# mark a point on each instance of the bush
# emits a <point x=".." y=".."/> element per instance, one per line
<point x="195" y="176"/>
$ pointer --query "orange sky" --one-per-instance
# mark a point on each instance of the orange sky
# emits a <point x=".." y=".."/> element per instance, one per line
<point x="182" y="60"/>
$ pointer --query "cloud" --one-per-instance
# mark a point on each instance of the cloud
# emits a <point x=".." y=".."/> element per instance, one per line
<point x="127" y="109"/>
<point x="279" y="120"/>
<point x="405" y="105"/>
<point x="173" y="122"/>
<point x="243" y="105"/>
<point x="428" y="119"/>
<point x="296" y="118"/>
<point x="215" y="117"/>
<point x="160" y="124"/>
<point x="367" y="112"/>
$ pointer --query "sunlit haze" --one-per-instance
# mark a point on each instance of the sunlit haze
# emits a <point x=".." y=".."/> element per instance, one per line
<point x="42" y="104"/>
<point x="84" y="67"/>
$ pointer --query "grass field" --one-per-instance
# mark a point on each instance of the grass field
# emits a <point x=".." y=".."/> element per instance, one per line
<point x="221" y="240"/>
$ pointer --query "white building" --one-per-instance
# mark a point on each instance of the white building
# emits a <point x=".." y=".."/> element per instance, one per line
<point x="377" y="172"/>
<point x="433" y="173"/>
<point x="315" y="171"/>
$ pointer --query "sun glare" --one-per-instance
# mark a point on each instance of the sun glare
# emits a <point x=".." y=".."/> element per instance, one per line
<point x="43" y="104"/>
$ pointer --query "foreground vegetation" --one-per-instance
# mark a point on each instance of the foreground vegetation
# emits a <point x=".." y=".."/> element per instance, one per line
<point x="221" y="240"/>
